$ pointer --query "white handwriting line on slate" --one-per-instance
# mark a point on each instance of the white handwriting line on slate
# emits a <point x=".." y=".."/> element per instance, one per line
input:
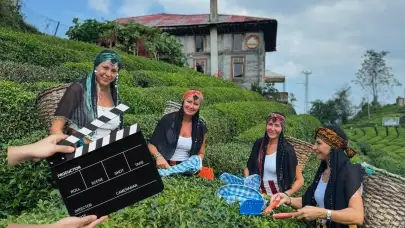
<point x="117" y="196"/>
<point x="100" y="161"/>
<point x="108" y="180"/>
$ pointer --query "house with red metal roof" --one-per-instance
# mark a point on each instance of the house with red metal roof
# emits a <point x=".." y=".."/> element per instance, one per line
<point x="230" y="46"/>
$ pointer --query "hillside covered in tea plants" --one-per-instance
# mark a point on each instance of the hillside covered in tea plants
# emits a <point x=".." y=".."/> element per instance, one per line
<point x="235" y="118"/>
<point x="381" y="146"/>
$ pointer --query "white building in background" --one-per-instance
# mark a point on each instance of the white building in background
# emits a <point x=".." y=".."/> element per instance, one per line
<point x="231" y="46"/>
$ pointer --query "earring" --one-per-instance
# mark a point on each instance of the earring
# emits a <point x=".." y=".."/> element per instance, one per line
<point x="95" y="71"/>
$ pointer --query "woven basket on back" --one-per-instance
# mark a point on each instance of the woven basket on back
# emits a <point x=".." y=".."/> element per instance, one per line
<point x="48" y="101"/>
<point x="302" y="148"/>
<point x="384" y="198"/>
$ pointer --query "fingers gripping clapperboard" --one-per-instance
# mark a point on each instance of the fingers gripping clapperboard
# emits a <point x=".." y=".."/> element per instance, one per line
<point x="108" y="174"/>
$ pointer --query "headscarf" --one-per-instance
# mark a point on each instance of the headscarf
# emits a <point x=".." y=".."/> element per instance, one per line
<point x="286" y="158"/>
<point x="91" y="89"/>
<point x="344" y="179"/>
<point x="167" y="131"/>
<point x="196" y="94"/>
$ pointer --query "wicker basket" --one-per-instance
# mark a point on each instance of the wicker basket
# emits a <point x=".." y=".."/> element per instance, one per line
<point x="384" y="198"/>
<point x="48" y="101"/>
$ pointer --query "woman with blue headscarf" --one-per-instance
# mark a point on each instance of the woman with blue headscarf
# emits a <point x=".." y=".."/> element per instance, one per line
<point x="88" y="98"/>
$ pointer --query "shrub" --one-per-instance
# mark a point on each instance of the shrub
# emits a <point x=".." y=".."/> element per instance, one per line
<point x="299" y="126"/>
<point x="187" y="79"/>
<point x="32" y="51"/>
<point x="21" y="186"/>
<point x="248" y="114"/>
<point x="185" y="202"/>
<point x="152" y="100"/>
<point x="28" y="73"/>
<point x="146" y="122"/>
<point x="18" y="115"/>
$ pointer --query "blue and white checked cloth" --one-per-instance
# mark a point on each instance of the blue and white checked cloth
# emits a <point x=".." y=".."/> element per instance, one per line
<point x="190" y="166"/>
<point x="252" y="181"/>
<point x="237" y="189"/>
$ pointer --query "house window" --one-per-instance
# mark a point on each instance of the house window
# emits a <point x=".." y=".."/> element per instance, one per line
<point x="199" y="43"/>
<point x="237" y="42"/>
<point x="238" y="67"/>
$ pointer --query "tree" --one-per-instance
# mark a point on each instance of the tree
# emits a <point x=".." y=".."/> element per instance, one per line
<point x="344" y="106"/>
<point x="292" y="99"/>
<point x="374" y="75"/>
<point x="89" y="31"/>
<point x="325" y="112"/>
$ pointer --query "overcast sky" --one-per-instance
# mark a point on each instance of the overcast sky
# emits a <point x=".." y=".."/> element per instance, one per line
<point x="326" y="37"/>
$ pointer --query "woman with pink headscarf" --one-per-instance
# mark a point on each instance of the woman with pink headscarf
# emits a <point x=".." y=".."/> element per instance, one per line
<point x="274" y="160"/>
<point x="180" y="134"/>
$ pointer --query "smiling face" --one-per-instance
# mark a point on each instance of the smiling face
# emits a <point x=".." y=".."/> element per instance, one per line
<point x="321" y="149"/>
<point x="274" y="129"/>
<point x="191" y="106"/>
<point x="106" y="73"/>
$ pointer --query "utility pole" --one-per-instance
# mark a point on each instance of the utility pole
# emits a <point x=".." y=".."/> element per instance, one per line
<point x="57" y="27"/>
<point x="307" y="73"/>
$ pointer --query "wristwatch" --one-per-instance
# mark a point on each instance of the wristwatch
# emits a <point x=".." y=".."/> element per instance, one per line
<point x="329" y="215"/>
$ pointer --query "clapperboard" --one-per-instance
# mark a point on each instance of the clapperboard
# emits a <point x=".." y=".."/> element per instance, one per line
<point x="108" y="174"/>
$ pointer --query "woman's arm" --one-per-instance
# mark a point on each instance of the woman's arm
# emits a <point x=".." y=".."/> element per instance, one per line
<point x="152" y="149"/>
<point x="202" y="150"/>
<point x="295" y="203"/>
<point x="352" y="215"/>
<point x="298" y="183"/>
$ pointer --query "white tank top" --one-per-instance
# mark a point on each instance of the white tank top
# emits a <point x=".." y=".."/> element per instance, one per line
<point x="270" y="174"/>
<point x="182" y="149"/>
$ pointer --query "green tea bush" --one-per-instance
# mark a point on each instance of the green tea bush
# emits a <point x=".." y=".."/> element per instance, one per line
<point x="37" y="53"/>
<point x="18" y="115"/>
<point x="161" y="78"/>
<point x="248" y="114"/>
<point x="28" y="73"/>
<point x="298" y="126"/>
<point x="146" y="122"/>
<point x="152" y="100"/>
<point x="21" y="186"/>
<point x="185" y="202"/>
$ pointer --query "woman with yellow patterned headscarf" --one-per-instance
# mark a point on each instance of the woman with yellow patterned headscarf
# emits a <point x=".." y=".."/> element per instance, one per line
<point x="334" y="199"/>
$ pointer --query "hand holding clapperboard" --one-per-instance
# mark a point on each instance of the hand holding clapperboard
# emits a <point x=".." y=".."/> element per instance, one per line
<point x="108" y="174"/>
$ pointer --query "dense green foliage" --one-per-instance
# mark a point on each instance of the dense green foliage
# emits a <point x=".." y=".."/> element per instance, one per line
<point x="232" y="115"/>
<point x="127" y="37"/>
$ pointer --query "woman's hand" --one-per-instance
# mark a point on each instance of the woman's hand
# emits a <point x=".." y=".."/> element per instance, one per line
<point x="282" y="197"/>
<point x="162" y="163"/>
<point x="310" y="213"/>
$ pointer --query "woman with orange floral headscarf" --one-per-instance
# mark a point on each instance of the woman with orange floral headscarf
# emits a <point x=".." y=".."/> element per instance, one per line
<point x="180" y="134"/>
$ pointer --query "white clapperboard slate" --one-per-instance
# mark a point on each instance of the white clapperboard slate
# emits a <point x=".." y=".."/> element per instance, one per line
<point x="108" y="174"/>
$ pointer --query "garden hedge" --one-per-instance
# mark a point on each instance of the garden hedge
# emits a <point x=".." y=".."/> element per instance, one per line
<point x="18" y="115"/>
<point x="152" y="100"/>
<point x="298" y="126"/>
<point x="248" y="114"/>
<point x="185" y="202"/>
<point x="162" y="78"/>
<point x="21" y="186"/>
